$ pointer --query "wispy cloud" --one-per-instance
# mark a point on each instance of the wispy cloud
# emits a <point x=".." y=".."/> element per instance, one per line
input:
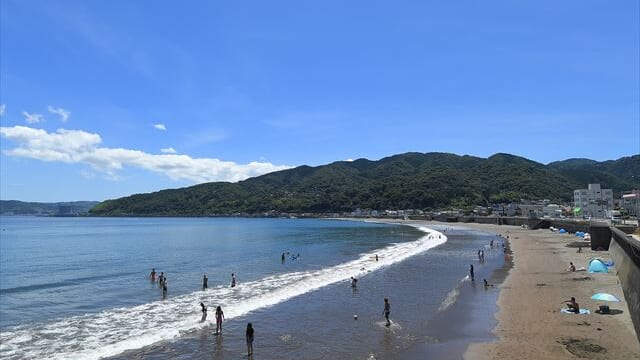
<point x="64" y="114"/>
<point x="2" y="109"/>
<point x="81" y="147"/>
<point x="168" y="150"/>
<point x="160" y="127"/>
<point x="32" y="118"/>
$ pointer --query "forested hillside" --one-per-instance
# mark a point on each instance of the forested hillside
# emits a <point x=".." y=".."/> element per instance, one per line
<point x="406" y="181"/>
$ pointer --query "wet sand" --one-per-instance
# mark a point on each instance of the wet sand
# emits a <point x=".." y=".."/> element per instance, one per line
<point x="530" y="325"/>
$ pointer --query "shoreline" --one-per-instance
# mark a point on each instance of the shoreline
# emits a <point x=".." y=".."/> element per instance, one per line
<point x="530" y="325"/>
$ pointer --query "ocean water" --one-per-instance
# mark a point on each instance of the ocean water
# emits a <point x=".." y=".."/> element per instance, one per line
<point x="78" y="287"/>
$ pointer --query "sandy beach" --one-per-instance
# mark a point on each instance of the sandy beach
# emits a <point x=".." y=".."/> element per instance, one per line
<point x="530" y="325"/>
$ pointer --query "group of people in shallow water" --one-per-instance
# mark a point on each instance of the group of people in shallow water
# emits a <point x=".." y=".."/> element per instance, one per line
<point x="219" y="314"/>
<point x="480" y="253"/>
<point x="293" y="256"/>
<point x="162" y="281"/>
<point x="220" y="318"/>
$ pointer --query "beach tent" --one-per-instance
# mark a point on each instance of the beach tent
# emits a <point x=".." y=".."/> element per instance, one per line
<point x="562" y="231"/>
<point x="597" y="266"/>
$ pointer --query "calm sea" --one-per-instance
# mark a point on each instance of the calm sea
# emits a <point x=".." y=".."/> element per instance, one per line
<point x="79" y="288"/>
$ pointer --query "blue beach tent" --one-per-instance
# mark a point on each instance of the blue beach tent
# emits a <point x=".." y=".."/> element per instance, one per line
<point x="597" y="266"/>
<point x="562" y="231"/>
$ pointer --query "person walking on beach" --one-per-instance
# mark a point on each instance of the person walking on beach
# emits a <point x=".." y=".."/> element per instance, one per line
<point x="471" y="275"/>
<point x="152" y="276"/>
<point x="233" y="280"/>
<point x="387" y="311"/>
<point x="219" y="318"/>
<point x="205" y="282"/>
<point x="204" y="312"/>
<point x="249" y="336"/>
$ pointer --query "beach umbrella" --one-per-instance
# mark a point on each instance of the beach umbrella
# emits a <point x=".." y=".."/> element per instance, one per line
<point x="604" y="297"/>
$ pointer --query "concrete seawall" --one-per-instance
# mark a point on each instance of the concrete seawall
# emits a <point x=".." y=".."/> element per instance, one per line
<point x="625" y="252"/>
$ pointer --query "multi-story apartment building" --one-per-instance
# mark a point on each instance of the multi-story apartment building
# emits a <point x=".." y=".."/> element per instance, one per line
<point x="593" y="201"/>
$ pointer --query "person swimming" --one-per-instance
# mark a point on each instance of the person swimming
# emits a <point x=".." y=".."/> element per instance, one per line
<point x="486" y="284"/>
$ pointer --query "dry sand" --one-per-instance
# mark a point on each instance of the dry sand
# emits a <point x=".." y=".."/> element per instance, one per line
<point x="530" y="325"/>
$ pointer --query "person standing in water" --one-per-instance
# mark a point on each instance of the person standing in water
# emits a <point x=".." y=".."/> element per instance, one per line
<point x="282" y="258"/>
<point x="387" y="310"/>
<point x="219" y="318"/>
<point x="233" y="280"/>
<point x="204" y="312"/>
<point x="205" y="282"/>
<point x="161" y="278"/>
<point x="376" y="257"/>
<point x="354" y="282"/>
<point x="152" y="276"/>
<point x="471" y="273"/>
<point x="164" y="286"/>
<point x="249" y="336"/>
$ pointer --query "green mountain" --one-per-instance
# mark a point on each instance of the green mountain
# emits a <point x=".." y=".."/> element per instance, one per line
<point x="14" y="207"/>
<point x="406" y="181"/>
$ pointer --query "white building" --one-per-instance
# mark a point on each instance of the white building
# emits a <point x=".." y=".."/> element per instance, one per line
<point x="631" y="202"/>
<point x="593" y="201"/>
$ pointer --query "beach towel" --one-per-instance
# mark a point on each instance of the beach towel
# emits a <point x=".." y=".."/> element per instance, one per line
<point x="582" y="311"/>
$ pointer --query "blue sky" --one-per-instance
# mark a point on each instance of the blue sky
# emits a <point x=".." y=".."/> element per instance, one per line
<point x="240" y="88"/>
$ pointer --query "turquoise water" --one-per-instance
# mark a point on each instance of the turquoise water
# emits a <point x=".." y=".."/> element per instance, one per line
<point x="79" y="287"/>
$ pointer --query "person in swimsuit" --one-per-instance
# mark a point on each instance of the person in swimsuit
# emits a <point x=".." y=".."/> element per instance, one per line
<point x="152" y="276"/>
<point x="471" y="273"/>
<point x="486" y="284"/>
<point x="205" y="281"/>
<point x="233" y="280"/>
<point x="354" y="282"/>
<point x="376" y="257"/>
<point x="572" y="268"/>
<point x="387" y="310"/>
<point x="282" y="258"/>
<point x="219" y="318"/>
<point x="573" y="305"/>
<point x="161" y="278"/>
<point x="249" y="336"/>
<point x="164" y="286"/>
<point x="204" y="312"/>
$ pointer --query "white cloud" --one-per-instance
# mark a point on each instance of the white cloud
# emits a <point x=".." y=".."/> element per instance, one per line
<point x="168" y="150"/>
<point x="3" y="107"/>
<point x="64" y="114"/>
<point x="81" y="147"/>
<point x="32" y="118"/>
<point x="160" y="127"/>
<point x="348" y="160"/>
